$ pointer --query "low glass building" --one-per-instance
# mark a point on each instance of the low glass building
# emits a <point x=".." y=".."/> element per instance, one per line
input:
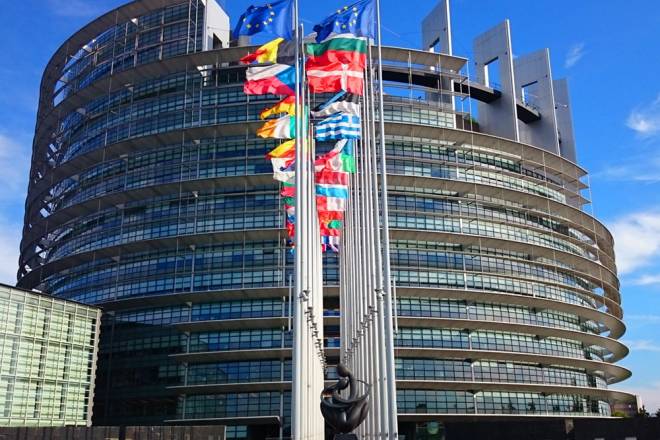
<point x="149" y="195"/>
<point x="48" y="351"/>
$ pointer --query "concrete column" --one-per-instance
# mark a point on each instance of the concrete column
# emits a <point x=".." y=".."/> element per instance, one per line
<point x="436" y="29"/>
<point x="533" y="78"/>
<point x="498" y="117"/>
<point x="564" y="116"/>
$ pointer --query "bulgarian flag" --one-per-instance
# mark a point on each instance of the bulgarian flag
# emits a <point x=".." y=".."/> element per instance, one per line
<point x="335" y="77"/>
<point x="342" y="49"/>
<point x="276" y="79"/>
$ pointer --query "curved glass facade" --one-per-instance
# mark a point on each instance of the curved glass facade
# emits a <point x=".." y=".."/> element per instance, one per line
<point x="150" y="197"/>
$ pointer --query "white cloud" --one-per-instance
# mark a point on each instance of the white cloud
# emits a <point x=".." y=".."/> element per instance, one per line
<point x="575" y="54"/>
<point x="646" y="280"/>
<point x="642" y="345"/>
<point x="646" y="319"/>
<point x="636" y="239"/>
<point x="645" y="120"/>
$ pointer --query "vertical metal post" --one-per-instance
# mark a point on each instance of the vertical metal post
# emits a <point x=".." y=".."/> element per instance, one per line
<point x="389" y="330"/>
<point x="296" y="402"/>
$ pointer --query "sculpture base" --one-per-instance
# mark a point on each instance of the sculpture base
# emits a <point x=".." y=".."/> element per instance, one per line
<point x="346" y="437"/>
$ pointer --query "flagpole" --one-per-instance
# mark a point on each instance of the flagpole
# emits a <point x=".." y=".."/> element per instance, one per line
<point x="389" y="330"/>
<point x="296" y="388"/>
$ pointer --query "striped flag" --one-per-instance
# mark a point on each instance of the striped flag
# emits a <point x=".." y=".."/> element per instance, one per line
<point x="342" y="48"/>
<point x="324" y="203"/>
<point x="287" y="105"/>
<point x="328" y="242"/>
<point x="328" y="190"/>
<point x="342" y="102"/>
<point x="339" y="126"/>
<point x="281" y="128"/>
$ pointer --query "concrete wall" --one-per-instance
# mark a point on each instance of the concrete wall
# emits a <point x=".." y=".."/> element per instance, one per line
<point x="499" y="117"/>
<point x="534" y="68"/>
<point x="217" y="23"/>
<point x="436" y="29"/>
<point x="564" y="116"/>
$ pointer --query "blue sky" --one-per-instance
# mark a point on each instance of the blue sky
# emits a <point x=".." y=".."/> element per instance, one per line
<point x="610" y="54"/>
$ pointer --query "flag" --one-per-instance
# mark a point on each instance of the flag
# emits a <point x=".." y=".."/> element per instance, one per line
<point x="330" y="177"/>
<point x="281" y="128"/>
<point x="287" y="105"/>
<point x="281" y="170"/>
<point x="330" y="216"/>
<point x="330" y="242"/>
<point x="329" y="232"/>
<point x="285" y="150"/>
<point x="336" y="77"/>
<point x="277" y="79"/>
<point x="340" y="158"/>
<point x="358" y="19"/>
<point x="338" y="126"/>
<point x="288" y="190"/>
<point x="324" y="203"/>
<point x="343" y="48"/>
<point x="275" y="18"/>
<point x="278" y="51"/>
<point x="342" y="102"/>
<point x="328" y="190"/>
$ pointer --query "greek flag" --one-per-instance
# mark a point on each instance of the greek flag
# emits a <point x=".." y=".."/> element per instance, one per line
<point x="338" y="126"/>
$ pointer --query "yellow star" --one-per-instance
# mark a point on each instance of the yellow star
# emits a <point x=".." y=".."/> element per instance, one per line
<point x="338" y="11"/>
<point x="256" y="25"/>
<point x="345" y="8"/>
<point x="249" y="26"/>
<point x="272" y="12"/>
<point x="270" y="20"/>
<point x="244" y="19"/>
<point x="265" y="22"/>
<point x="354" y="9"/>
<point x="343" y="26"/>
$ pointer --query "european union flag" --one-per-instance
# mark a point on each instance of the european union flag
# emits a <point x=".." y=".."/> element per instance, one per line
<point x="358" y="19"/>
<point x="275" y="18"/>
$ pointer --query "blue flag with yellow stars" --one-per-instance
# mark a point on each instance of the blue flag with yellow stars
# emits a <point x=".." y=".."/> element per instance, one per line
<point x="358" y="19"/>
<point x="275" y="18"/>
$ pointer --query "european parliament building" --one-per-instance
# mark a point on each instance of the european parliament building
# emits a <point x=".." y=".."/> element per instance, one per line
<point x="149" y="196"/>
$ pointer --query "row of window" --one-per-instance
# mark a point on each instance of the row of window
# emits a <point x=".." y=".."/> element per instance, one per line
<point x="463" y="402"/>
<point x="408" y="401"/>
<point x="406" y="307"/>
<point x="123" y="46"/>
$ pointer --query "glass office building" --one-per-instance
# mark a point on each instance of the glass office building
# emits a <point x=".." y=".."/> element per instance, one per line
<point x="48" y="349"/>
<point x="149" y="195"/>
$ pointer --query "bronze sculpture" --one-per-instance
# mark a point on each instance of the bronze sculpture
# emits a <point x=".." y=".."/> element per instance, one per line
<point x="344" y="415"/>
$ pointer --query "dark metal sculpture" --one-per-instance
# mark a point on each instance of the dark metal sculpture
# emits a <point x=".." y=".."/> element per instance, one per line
<point x="344" y="415"/>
